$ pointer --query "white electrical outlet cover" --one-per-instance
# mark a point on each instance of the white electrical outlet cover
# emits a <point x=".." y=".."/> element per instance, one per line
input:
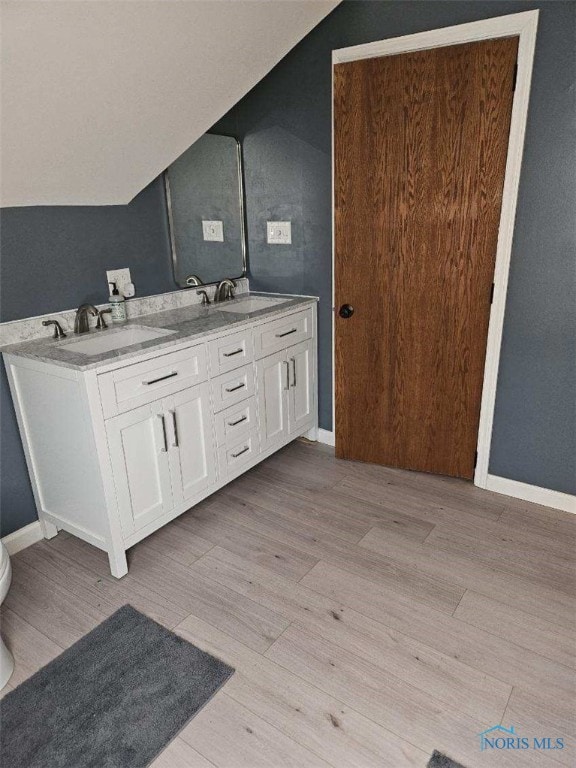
<point x="213" y="231"/>
<point x="121" y="277"/>
<point x="279" y="232"/>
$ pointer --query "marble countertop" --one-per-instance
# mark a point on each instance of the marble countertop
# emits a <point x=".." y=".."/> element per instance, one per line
<point x="186" y="323"/>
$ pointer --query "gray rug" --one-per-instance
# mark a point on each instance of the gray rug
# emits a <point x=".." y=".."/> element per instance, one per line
<point x="112" y="700"/>
<point x="438" y="760"/>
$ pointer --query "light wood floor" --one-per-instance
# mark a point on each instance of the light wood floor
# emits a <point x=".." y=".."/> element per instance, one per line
<point x="372" y="615"/>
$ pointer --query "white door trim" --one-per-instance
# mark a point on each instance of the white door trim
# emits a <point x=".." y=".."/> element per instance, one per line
<point x="524" y="26"/>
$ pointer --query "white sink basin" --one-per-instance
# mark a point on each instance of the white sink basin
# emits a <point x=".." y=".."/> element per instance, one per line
<point x="252" y="304"/>
<point x="106" y="341"/>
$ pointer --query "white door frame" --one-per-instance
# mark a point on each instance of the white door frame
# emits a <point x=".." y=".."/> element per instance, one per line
<point x="521" y="25"/>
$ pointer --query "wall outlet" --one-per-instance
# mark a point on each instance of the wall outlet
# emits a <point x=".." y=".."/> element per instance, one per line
<point x="279" y="232"/>
<point x="213" y="231"/>
<point x="122" y="279"/>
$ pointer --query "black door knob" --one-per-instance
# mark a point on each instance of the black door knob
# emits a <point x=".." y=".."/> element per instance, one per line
<point x="346" y="311"/>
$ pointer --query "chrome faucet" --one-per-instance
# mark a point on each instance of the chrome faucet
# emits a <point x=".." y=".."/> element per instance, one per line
<point x="224" y="290"/>
<point x="81" y="323"/>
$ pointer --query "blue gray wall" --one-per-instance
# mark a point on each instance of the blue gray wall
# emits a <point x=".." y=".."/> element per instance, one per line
<point x="55" y="258"/>
<point x="285" y="125"/>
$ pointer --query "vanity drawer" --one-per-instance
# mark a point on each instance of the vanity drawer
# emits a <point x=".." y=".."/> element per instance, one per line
<point x="236" y="421"/>
<point x="233" y="387"/>
<point x="230" y="352"/>
<point x="237" y="454"/>
<point x="141" y="383"/>
<point x="282" y="333"/>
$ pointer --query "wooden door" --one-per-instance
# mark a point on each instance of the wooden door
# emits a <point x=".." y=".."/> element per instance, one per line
<point x="301" y="393"/>
<point x="273" y="385"/>
<point x="139" y="446"/>
<point x="420" y="145"/>
<point x="191" y="441"/>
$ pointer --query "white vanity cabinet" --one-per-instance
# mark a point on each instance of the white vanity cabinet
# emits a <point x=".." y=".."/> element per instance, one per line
<point x="285" y="393"/>
<point x="161" y="455"/>
<point x="140" y="467"/>
<point x="188" y="421"/>
<point x="116" y="451"/>
<point x="301" y="401"/>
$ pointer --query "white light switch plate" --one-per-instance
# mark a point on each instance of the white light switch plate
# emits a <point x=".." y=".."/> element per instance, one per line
<point x="119" y="276"/>
<point x="213" y="231"/>
<point x="279" y="232"/>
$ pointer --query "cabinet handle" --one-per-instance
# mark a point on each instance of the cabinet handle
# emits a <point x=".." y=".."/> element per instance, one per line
<point x="238" y="421"/>
<point x="175" y="425"/>
<point x="231" y="354"/>
<point x="287" y="364"/>
<point x="233" y="389"/>
<point x="293" y="361"/>
<point x="165" y="449"/>
<point x="286" y="333"/>
<point x="162" y="378"/>
<point x="246" y="448"/>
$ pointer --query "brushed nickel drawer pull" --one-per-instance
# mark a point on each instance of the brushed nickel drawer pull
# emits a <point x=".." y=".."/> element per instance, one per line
<point x="175" y="425"/>
<point x="246" y="448"/>
<point x="286" y="333"/>
<point x="287" y="364"/>
<point x="238" y="421"/>
<point x="161" y="378"/>
<point x="231" y="354"/>
<point x="161" y="417"/>
<point x="293" y="360"/>
<point x="233" y="389"/>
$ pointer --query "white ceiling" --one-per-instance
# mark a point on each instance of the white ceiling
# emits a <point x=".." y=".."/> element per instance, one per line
<point x="99" y="96"/>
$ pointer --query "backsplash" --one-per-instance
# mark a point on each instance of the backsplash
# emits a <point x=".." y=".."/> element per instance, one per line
<point x="31" y="328"/>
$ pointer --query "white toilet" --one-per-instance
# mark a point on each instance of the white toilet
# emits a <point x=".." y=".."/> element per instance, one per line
<point x="6" y="660"/>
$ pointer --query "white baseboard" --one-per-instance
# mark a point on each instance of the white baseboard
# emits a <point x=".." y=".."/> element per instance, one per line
<point x="533" y="493"/>
<point x="326" y="437"/>
<point x="23" y="538"/>
<point x="518" y="490"/>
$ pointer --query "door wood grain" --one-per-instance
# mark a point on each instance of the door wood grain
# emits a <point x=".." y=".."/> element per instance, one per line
<point x="420" y="146"/>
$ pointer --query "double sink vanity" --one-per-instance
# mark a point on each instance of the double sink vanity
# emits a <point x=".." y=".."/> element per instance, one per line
<point x="126" y="428"/>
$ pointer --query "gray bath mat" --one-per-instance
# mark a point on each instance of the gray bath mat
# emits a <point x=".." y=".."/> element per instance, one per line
<point x="112" y="700"/>
<point x="438" y="760"/>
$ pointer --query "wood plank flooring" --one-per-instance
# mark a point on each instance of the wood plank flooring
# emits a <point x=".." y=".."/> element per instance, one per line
<point x="372" y="615"/>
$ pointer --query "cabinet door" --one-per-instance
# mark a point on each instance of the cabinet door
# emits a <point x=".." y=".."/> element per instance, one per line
<point x="191" y="442"/>
<point x="273" y="385"/>
<point x="138" y="443"/>
<point x="301" y="393"/>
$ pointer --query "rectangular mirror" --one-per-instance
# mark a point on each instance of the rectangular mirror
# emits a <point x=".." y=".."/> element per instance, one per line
<point x="205" y="202"/>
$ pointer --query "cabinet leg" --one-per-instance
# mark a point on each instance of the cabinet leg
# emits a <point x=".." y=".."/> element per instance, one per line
<point x="118" y="563"/>
<point x="49" y="530"/>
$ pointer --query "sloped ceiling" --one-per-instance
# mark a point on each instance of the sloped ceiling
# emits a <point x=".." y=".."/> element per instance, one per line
<point x="99" y="96"/>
